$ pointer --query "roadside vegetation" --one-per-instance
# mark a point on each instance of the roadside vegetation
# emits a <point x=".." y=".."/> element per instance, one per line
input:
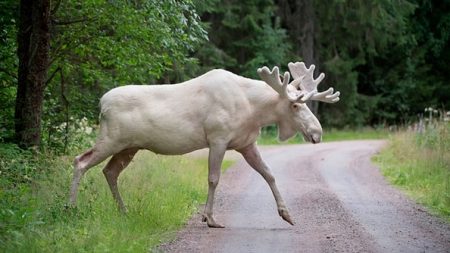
<point x="419" y="163"/>
<point x="161" y="193"/>
<point x="269" y="136"/>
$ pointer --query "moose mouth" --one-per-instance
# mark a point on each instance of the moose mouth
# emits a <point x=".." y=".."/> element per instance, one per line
<point x="311" y="138"/>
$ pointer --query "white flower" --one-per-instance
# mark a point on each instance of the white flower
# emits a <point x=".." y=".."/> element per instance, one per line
<point x="88" y="130"/>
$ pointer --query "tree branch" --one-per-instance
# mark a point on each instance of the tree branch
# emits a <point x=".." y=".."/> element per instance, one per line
<point x="52" y="76"/>
<point x="55" y="8"/>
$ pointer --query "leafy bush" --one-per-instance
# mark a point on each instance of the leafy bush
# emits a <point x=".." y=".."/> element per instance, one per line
<point x="70" y="136"/>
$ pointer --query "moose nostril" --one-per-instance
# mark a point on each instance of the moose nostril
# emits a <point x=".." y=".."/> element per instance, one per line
<point x="315" y="139"/>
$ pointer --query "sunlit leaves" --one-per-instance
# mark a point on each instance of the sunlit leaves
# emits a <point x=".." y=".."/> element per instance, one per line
<point x="132" y="42"/>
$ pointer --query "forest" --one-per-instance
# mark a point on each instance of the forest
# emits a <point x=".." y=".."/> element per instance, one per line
<point x="389" y="58"/>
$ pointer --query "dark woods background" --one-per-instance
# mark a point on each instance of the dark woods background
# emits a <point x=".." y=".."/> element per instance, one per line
<point x="389" y="58"/>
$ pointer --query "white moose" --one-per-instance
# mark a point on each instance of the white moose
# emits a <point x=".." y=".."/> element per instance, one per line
<point x="218" y="110"/>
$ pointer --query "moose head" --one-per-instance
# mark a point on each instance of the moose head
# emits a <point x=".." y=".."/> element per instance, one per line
<point x="302" y="88"/>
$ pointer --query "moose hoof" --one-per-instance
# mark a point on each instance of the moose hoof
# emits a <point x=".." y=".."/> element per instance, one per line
<point x="285" y="215"/>
<point x="211" y="222"/>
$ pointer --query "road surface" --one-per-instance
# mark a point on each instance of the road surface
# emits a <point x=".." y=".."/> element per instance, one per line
<point x="336" y="196"/>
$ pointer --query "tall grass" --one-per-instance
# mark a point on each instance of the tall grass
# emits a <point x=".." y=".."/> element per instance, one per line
<point x="420" y="164"/>
<point x="161" y="193"/>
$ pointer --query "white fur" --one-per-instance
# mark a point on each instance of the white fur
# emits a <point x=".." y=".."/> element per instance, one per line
<point x="218" y="106"/>
<point x="218" y="110"/>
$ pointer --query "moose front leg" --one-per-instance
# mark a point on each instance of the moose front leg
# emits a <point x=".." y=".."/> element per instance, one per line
<point x="216" y="154"/>
<point x="253" y="158"/>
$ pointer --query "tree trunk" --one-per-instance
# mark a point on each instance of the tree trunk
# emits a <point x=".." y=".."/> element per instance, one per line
<point x="33" y="51"/>
<point x="299" y="18"/>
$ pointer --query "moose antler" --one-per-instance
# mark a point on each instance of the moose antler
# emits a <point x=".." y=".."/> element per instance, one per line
<point x="308" y="85"/>
<point x="302" y="88"/>
<point x="272" y="78"/>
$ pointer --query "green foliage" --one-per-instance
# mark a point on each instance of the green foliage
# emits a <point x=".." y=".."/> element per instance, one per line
<point x="124" y="42"/>
<point x="16" y="165"/>
<point x="406" y="75"/>
<point x="244" y="37"/>
<point x="355" y="39"/>
<point x="270" y="48"/>
<point x="8" y="66"/>
<point x="418" y="163"/>
<point x="431" y="24"/>
<point x="161" y="193"/>
<point x="69" y="136"/>
<point x="18" y="172"/>
<point x="24" y="176"/>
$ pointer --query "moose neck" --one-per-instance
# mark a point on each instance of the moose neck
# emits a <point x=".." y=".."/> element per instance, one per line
<point x="268" y="106"/>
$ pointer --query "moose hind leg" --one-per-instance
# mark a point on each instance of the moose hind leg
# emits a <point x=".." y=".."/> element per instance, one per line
<point x="83" y="163"/>
<point x="112" y="171"/>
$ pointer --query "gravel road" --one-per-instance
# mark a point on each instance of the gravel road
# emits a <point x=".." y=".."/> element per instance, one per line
<point x="336" y="196"/>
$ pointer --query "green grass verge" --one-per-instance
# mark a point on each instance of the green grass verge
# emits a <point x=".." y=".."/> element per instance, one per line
<point x="270" y="137"/>
<point x="161" y="193"/>
<point x="356" y="134"/>
<point x="419" y="164"/>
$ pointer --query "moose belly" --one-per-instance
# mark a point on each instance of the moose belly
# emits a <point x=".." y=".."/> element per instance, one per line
<point x="173" y="147"/>
<point x="171" y="140"/>
<point x="158" y="131"/>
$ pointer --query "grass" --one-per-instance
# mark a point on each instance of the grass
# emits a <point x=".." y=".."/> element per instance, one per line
<point x="270" y="137"/>
<point x="356" y="134"/>
<point x="161" y="193"/>
<point x="419" y="164"/>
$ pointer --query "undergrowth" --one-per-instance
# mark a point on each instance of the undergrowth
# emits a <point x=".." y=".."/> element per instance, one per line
<point x="419" y="163"/>
<point x="161" y="193"/>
